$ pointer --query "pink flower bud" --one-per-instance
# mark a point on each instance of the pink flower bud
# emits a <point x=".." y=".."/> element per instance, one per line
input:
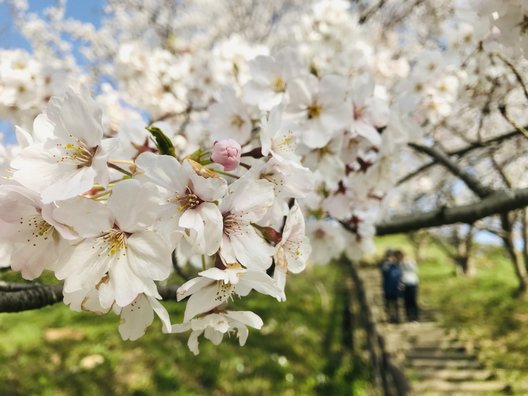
<point x="226" y="153"/>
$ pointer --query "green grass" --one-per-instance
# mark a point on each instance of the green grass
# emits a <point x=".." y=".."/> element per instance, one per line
<point x="53" y="351"/>
<point x="482" y="308"/>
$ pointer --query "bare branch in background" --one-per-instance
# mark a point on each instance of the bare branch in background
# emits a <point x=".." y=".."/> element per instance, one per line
<point x="371" y="11"/>
<point x="497" y="203"/>
<point x="442" y="158"/>
<point x="461" y="152"/>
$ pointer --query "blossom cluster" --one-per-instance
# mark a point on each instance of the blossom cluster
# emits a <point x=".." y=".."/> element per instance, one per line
<point x="303" y="113"/>
<point x="107" y="220"/>
<point x="26" y="84"/>
<point x="245" y="146"/>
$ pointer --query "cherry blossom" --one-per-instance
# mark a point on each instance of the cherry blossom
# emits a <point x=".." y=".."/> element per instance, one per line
<point x="215" y="325"/>
<point x="74" y="158"/>
<point x="215" y="287"/>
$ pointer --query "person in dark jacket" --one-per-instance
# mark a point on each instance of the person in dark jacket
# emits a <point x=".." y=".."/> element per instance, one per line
<point x="384" y="265"/>
<point x="391" y="275"/>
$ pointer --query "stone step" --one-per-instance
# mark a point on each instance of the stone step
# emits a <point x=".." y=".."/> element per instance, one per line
<point x="418" y="339"/>
<point x="433" y="358"/>
<point x="454" y="375"/>
<point x="453" y="346"/>
<point x="443" y="364"/>
<point x="467" y="387"/>
<point x="438" y="354"/>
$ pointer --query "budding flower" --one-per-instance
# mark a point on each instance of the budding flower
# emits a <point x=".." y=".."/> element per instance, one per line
<point x="227" y="153"/>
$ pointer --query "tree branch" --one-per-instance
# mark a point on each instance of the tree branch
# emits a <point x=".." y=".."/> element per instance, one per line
<point x="461" y="152"/>
<point x="22" y="297"/>
<point x="18" y="297"/>
<point x="370" y="12"/>
<point x="497" y="203"/>
<point x="442" y="158"/>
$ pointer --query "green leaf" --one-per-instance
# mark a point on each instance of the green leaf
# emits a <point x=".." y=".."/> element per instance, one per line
<point x="163" y="143"/>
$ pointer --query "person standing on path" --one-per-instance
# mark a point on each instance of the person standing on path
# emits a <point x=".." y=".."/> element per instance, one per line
<point x="384" y="265"/>
<point x="391" y="280"/>
<point x="410" y="281"/>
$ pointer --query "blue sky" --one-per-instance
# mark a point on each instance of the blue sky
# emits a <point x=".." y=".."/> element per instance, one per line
<point x="83" y="10"/>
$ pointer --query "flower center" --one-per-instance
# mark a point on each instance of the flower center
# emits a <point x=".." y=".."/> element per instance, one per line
<point x="76" y="153"/>
<point x="285" y="143"/>
<point x="319" y="234"/>
<point x="358" y="112"/>
<point x="223" y="291"/>
<point x="113" y="242"/>
<point x="279" y="85"/>
<point x="314" y="110"/>
<point x="237" y="121"/>
<point x="40" y="229"/>
<point x="189" y="200"/>
<point x="231" y="224"/>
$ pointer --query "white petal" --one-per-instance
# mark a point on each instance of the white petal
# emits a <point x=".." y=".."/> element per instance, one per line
<point x="203" y="301"/>
<point x="162" y="314"/>
<point x="69" y="184"/>
<point x="181" y="327"/>
<point x="215" y="274"/>
<point x="192" y="343"/>
<point x="127" y="285"/>
<point x="164" y="171"/>
<point x="207" y="189"/>
<point x="261" y="282"/>
<point x="87" y="217"/>
<point x="133" y="204"/>
<point x="192" y="286"/>
<point x="213" y="227"/>
<point x="135" y="318"/>
<point x="251" y="250"/>
<point x="81" y="116"/>
<point x="149" y="256"/>
<point x="247" y="317"/>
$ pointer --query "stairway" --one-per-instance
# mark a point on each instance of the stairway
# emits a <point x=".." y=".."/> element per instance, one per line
<point x="433" y="360"/>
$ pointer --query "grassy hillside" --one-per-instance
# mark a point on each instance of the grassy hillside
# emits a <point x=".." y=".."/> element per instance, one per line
<point x="54" y="351"/>
<point x="481" y="308"/>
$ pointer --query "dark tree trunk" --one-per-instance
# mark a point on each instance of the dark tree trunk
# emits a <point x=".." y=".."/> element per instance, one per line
<point x="518" y="266"/>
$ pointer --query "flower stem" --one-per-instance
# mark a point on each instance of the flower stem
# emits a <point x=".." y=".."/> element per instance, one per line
<point x="119" y="169"/>
<point x="226" y="174"/>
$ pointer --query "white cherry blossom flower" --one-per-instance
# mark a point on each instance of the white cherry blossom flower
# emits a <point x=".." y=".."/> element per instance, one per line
<point x="215" y="325"/>
<point x="69" y="163"/>
<point x="135" y="317"/>
<point x="30" y="231"/>
<point x="289" y="180"/>
<point x="294" y="249"/>
<point x="118" y="250"/>
<point x="270" y="77"/>
<point x="327" y="162"/>
<point x="320" y="107"/>
<point x="246" y="202"/>
<point x="139" y="314"/>
<point x="189" y="200"/>
<point x="369" y="112"/>
<point x="229" y="118"/>
<point x="215" y="286"/>
<point x="324" y="233"/>
<point x="279" y="136"/>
